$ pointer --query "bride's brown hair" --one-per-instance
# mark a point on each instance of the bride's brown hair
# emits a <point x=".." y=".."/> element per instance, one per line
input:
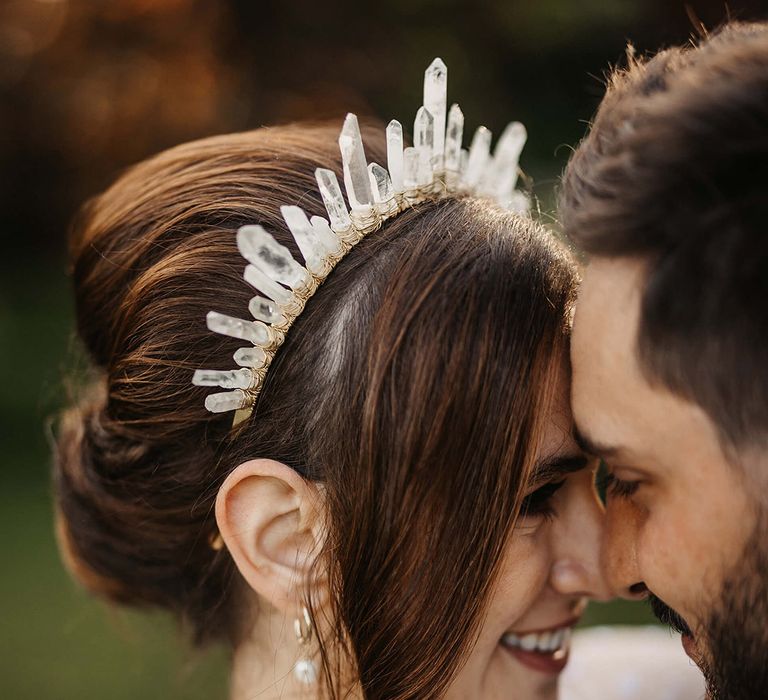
<point x="412" y="387"/>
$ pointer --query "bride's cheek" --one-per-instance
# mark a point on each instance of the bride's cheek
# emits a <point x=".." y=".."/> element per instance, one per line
<point x="525" y="568"/>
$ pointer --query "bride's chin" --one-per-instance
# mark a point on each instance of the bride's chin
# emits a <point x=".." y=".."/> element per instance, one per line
<point x="512" y="678"/>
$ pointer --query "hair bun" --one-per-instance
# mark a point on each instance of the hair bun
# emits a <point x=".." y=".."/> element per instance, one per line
<point x="116" y="534"/>
<point x="85" y="455"/>
<point x="139" y="460"/>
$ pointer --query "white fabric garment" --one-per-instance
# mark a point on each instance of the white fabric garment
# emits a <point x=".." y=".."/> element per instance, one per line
<point x="629" y="663"/>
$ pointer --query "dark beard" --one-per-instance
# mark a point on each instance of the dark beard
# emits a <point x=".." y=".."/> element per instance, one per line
<point x="736" y="633"/>
<point x="667" y="616"/>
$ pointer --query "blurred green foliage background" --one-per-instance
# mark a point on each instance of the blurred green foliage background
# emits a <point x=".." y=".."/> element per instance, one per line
<point x="88" y="87"/>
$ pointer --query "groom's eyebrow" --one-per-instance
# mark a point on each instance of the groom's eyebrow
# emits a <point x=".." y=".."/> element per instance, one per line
<point x="592" y="446"/>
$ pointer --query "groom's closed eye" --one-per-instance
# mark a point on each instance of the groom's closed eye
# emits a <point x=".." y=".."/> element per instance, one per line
<point x="608" y="484"/>
<point x="611" y="486"/>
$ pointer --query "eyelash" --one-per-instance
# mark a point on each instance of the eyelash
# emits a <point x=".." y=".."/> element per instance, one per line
<point x="611" y="485"/>
<point x="539" y="502"/>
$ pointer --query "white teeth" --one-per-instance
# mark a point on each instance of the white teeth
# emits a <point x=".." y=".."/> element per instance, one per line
<point x="544" y="642"/>
<point x="557" y="639"/>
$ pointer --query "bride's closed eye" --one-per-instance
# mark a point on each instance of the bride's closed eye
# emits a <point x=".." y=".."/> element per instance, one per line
<point x="539" y="502"/>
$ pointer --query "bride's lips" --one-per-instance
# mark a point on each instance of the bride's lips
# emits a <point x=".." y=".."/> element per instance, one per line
<point x="541" y="650"/>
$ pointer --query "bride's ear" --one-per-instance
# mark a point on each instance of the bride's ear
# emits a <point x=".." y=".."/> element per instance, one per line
<point x="270" y="520"/>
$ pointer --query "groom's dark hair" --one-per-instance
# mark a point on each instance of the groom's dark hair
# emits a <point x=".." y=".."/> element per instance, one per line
<point x="675" y="170"/>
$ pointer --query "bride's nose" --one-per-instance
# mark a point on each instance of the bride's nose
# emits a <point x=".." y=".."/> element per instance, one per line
<point x="576" y="545"/>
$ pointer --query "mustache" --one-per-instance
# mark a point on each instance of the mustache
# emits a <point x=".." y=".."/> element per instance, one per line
<point x="668" y="616"/>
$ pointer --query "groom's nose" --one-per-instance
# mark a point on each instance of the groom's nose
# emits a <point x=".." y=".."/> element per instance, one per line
<point x="619" y="552"/>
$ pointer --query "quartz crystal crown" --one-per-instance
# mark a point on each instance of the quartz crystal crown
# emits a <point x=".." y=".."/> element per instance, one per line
<point x="435" y="166"/>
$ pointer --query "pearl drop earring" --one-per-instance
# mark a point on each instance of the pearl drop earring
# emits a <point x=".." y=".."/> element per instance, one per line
<point x="304" y="669"/>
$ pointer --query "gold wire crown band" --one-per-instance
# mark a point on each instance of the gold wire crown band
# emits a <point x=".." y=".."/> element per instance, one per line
<point x="435" y="166"/>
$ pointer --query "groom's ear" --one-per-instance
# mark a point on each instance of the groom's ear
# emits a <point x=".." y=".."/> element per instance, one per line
<point x="270" y="520"/>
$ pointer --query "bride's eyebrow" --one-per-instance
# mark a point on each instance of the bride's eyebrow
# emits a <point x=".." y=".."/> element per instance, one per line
<point x="555" y="466"/>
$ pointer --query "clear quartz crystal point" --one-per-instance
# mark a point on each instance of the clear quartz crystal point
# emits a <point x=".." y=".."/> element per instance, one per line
<point x="453" y="136"/>
<point x="309" y="245"/>
<point x="333" y="200"/>
<point x="410" y="168"/>
<point x="355" y="167"/>
<point x="265" y="310"/>
<point x="423" y="140"/>
<point x="262" y="250"/>
<point x="267" y="286"/>
<point x="381" y="185"/>
<point x="395" y="154"/>
<point x="502" y="173"/>
<point x="226" y="401"/>
<point x="254" y="357"/>
<point x="511" y="143"/>
<point x="424" y="130"/>
<point x="425" y="175"/>
<point x="479" y="153"/>
<point x="324" y="233"/>
<point x="226" y="379"/>
<point x="435" y="100"/>
<point x="254" y="331"/>
<point x="463" y="161"/>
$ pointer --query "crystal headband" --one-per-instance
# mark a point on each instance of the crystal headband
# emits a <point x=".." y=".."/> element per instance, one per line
<point x="435" y="166"/>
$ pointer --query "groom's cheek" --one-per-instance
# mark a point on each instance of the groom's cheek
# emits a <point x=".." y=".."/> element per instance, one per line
<point x="646" y="552"/>
<point x="679" y="555"/>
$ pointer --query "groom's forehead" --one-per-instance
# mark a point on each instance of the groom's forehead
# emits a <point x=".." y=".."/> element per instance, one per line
<point x="615" y="407"/>
<point x="612" y="401"/>
<point x="610" y="295"/>
<point x="605" y="327"/>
